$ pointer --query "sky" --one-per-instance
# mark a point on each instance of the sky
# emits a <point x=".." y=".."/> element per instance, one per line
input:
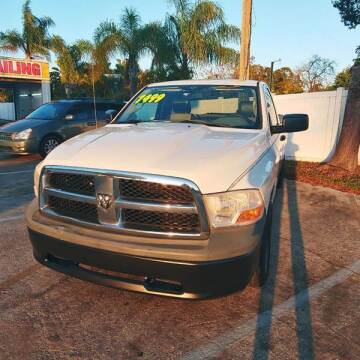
<point x="292" y="30"/>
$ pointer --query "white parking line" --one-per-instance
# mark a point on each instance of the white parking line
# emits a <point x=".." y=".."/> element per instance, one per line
<point x="16" y="172"/>
<point x="217" y="345"/>
<point x="12" y="218"/>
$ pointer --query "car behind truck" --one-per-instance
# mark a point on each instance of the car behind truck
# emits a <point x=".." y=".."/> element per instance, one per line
<point x="52" y="123"/>
<point x="174" y="197"/>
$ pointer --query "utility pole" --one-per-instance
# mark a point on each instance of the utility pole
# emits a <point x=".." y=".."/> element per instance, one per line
<point x="94" y="95"/>
<point x="245" y="40"/>
<point x="272" y="71"/>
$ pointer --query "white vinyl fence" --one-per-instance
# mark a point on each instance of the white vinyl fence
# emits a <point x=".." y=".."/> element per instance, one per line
<point x="7" y="111"/>
<point x="326" y="113"/>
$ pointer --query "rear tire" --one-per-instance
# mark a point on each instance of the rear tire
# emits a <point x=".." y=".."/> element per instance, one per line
<point x="47" y="144"/>
<point x="263" y="268"/>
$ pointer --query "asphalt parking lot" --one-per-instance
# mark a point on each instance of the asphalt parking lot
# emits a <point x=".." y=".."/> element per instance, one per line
<point x="308" y="309"/>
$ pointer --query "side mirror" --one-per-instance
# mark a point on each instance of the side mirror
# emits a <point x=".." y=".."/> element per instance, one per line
<point x="69" y="117"/>
<point x="292" y="123"/>
<point x="110" y="114"/>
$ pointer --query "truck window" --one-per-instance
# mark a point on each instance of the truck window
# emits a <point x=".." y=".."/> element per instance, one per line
<point x="213" y="105"/>
<point x="144" y="112"/>
<point x="273" y="118"/>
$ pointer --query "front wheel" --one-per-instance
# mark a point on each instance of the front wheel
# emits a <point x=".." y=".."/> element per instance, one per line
<point x="263" y="268"/>
<point x="48" y="144"/>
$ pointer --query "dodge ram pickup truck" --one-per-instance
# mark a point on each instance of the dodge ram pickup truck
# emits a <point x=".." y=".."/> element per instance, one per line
<point x="174" y="197"/>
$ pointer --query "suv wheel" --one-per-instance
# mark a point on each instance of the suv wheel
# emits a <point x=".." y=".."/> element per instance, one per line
<point x="263" y="269"/>
<point x="48" y="144"/>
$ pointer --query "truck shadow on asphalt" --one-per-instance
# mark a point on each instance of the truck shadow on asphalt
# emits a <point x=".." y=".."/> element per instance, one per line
<point x="16" y="181"/>
<point x="262" y="342"/>
<point x="16" y="203"/>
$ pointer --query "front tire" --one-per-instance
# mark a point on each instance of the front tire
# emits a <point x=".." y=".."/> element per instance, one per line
<point x="48" y="144"/>
<point x="263" y="268"/>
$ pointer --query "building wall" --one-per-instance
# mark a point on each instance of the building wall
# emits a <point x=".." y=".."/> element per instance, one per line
<point x="326" y="113"/>
<point x="46" y="91"/>
<point x="7" y="111"/>
<point x="27" y="96"/>
<point x="29" y="82"/>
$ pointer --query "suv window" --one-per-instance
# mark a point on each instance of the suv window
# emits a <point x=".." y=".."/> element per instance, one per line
<point x="83" y="112"/>
<point x="49" y="111"/>
<point x="101" y="110"/>
<point x="273" y="118"/>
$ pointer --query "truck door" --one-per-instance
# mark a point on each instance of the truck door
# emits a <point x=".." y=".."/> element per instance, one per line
<point x="278" y="141"/>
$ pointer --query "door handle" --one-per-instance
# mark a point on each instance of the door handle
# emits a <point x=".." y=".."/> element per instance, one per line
<point x="91" y="123"/>
<point x="282" y="138"/>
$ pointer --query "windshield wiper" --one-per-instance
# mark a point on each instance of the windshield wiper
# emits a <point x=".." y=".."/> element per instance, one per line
<point x="202" y="123"/>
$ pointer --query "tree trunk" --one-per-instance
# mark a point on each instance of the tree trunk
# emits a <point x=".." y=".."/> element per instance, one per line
<point x="67" y="91"/>
<point x="185" y="68"/>
<point x="346" y="154"/>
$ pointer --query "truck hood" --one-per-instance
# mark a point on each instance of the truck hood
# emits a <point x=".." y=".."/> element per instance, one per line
<point x="213" y="158"/>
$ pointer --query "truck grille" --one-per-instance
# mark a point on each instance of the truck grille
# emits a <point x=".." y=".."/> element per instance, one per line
<point x="6" y="136"/>
<point x="80" y="184"/>
<point x="74" y="209"/>
<point x="158" y="221"/>
<point x="125" y="202"/>
<point x="144" y="190"/>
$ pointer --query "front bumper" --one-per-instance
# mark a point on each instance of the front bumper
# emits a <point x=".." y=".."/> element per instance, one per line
<point x="192" y="280"/>
<point x="28" y="146"/>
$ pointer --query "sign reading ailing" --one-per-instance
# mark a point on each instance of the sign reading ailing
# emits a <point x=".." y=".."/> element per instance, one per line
<point x="24" y="69"/>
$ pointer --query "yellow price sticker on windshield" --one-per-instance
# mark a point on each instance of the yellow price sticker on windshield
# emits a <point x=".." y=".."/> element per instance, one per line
<point x="150" y="98"/>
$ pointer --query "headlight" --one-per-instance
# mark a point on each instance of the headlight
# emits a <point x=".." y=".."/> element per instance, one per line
<point x="23" y="135"/>
<point x="37" y="174"/>
<point x="231" y="208"/>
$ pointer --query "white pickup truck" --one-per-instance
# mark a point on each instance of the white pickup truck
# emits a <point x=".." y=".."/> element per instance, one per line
<point x="174" y="197"/>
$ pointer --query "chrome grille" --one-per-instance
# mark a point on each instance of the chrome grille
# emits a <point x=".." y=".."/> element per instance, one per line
<point x="6" y="136"/>
<point x="144" y="190"/>
<point x="80" y="184"/>
<point x="75" y="209"/>
<point x="131" y="203"/>
<point x="161" y="221"/>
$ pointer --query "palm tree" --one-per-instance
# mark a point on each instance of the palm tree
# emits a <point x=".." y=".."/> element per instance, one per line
<point x="131" y="39"/>
<point x="70" y="60"/>
<point x="198" y="33"/>
<point x="81" y="63"/>
<point x="34" y="39"/>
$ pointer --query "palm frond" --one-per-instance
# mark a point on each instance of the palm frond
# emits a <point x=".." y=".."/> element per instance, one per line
<point x="130" y="21"/>
<point x="64" y="60"/>
<point x="207" y="14"/>
<point x="35" y="32"/>
<point x="181" y="6"/>
<point x="45" y="22"/>
<point x="105" y="29"/>
<point x="11" y="41"/>
<point x="85" y="47"/>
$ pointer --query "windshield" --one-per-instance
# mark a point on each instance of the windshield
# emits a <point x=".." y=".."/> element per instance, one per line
<point x="49" y="111"/>
<point x="225" y="106"/>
